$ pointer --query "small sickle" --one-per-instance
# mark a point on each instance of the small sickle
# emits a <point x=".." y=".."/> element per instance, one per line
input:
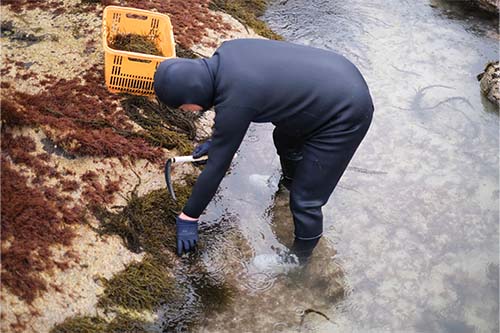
<point x="178" y="159"/>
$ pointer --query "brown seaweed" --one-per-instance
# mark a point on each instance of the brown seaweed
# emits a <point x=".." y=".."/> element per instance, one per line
<point x="135" y="43"/>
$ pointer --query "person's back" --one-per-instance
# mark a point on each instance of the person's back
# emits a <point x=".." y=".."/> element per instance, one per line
<point x="280" y="79"/>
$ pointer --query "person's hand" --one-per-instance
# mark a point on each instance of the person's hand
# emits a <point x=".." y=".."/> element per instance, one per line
<point x="187" y="235"/>
<point x="202" y="149"/>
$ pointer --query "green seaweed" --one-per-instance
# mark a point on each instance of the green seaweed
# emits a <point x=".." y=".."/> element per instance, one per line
<point x="166" y="138"/>
<point x="81" y="324"/>
<point x="214" y="295"/>
<point x="185" y="53"/>
<point x="141" y="286"/>
<point x="247" y="12"/>
<point x="135" y="43"/>
<point x="86" y="324"/>
<point x="124" y="324"/>
<point x="163" y="126"/>
<point x="147" y="223"/>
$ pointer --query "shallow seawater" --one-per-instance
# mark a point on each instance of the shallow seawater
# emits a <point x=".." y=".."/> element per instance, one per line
<point x="411" y="238"/>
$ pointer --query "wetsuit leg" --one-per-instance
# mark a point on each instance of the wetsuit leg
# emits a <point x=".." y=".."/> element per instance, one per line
<point x="325" y="157"/>
<point x="289" y="149"/>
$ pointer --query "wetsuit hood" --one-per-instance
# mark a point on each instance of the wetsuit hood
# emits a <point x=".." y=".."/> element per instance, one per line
<point x="184" y="81"/>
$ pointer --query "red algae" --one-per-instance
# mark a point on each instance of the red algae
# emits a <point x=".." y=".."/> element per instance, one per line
<point x="19" y="149"/>
<point x="68" y="185"/>
<point x="89" y="176"/>
<point x="56" y="7"/>
<point x="81" y="116"/>
<point x="33" y="219"/>
<point x="97" y="195"/>
<point x="11" y="114"/>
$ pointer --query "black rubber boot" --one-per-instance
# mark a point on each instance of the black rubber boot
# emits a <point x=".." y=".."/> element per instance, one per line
<point x="303" y="249"/>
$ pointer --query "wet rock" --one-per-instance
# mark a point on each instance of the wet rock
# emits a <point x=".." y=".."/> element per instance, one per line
<point x="489" y="82"/>
<point x="488" y="5"/>
<point x="29" y="38"/>
<point x="323" y="276"/>
<point x="50" y="147"/>
<point x="312" y="320"/>
<point x="467" y="8"/>
<point x="6" y="28"/>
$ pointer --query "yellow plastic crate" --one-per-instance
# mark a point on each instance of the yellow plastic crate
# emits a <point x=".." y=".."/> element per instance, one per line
<point x="132" y="72"/>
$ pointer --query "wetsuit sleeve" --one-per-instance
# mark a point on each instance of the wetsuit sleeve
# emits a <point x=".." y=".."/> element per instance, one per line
<point x="229" y="129"/>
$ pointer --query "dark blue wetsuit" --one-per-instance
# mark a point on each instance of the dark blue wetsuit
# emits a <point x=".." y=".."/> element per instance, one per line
<point x="317" y="99"/>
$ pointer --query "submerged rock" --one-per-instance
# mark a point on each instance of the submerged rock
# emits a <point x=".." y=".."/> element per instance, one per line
<point x="489" y="82"/>
<point x="312" y="320"/>
<point x="322" y="275"/>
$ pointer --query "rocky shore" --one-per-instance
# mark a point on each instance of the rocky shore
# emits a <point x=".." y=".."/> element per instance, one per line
<point x="83" y="198"/>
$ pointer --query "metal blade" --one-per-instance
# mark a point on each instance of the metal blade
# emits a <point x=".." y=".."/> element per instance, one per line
<point x="168" y="179"/>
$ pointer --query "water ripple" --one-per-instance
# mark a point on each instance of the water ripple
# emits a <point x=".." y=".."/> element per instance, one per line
<point x="259" y="282"/>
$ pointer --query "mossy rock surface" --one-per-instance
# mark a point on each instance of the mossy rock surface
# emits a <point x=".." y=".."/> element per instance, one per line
<point x="490" y="82"/>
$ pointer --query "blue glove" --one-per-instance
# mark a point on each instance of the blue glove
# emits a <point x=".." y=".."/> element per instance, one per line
<point x="187" y="235"/>
<point x="202" y="149"/>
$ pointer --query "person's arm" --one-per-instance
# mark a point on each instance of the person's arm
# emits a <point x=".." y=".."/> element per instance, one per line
<point x="229" y="130"/>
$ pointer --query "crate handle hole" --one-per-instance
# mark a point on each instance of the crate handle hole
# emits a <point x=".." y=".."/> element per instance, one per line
<point x="139" y="60"/>
<point x="137" y="16"/>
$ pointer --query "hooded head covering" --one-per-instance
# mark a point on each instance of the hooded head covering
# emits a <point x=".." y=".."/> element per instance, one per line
<point x="184" y="81"/>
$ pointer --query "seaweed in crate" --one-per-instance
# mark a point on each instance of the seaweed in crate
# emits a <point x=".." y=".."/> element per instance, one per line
<point x="136" y="43"/>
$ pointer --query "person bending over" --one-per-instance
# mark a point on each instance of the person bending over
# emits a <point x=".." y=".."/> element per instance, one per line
<point x="317" y="100"/>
